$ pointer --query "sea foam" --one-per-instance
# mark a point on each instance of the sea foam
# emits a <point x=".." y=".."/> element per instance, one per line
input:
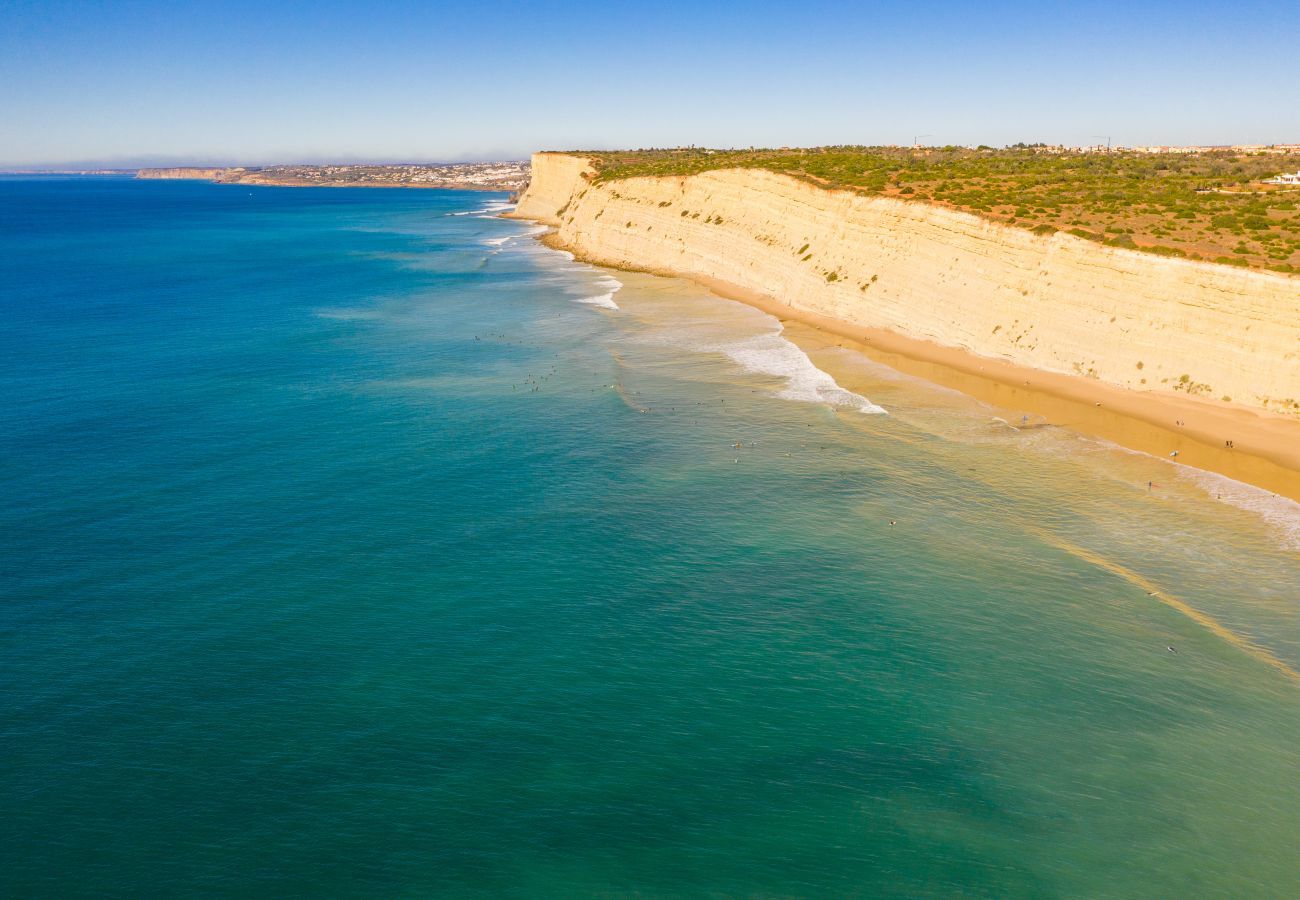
<point x="774" y="354"/>
<point x="605" y="300"/>
<point x="1281" y="513"/>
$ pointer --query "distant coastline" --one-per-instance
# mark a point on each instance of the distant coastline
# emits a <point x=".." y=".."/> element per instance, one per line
<point x="106" y="173"/>
<point x="495" y="176"/>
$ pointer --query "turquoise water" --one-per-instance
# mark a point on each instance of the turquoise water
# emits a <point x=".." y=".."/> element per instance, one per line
<point x="354" y="544"/>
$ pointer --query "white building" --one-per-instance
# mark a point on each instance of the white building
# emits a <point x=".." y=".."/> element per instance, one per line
<point x="1285" y="179"/>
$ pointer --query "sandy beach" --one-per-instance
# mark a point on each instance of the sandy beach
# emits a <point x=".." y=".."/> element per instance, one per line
<point x="1264" y="449"/>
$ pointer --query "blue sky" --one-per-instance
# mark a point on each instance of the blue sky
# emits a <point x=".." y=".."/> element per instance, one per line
<point x="143" y="82"/>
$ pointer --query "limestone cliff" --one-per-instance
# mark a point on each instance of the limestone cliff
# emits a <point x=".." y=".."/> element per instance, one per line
<point x="1057" y="303"/>
<point x="187" y="172"/>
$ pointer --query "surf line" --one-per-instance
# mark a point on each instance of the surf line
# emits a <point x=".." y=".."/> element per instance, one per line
<point x="1153" y="590"/>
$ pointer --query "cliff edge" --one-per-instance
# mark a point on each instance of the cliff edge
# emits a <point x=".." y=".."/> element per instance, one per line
<point x="1056" y="303"/>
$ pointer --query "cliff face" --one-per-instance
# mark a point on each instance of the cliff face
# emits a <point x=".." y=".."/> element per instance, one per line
<point x="185" y="172"/>
<point x="1057" y="303"/>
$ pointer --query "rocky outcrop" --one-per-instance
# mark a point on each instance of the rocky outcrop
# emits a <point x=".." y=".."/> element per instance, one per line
<point x="1056" y="302"/>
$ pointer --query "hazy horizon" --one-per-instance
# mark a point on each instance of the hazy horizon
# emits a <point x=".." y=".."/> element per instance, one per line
<point x="145" y="161"/>
<point x="143" y="84"/>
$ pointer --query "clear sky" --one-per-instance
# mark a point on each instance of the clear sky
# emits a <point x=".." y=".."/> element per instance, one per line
<point x="125" y="83"/>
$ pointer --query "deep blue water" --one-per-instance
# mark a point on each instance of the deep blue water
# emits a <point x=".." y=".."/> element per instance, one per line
<point x="346" y="551"/>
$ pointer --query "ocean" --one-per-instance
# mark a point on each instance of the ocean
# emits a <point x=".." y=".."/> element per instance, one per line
<point x="356" y="544"/>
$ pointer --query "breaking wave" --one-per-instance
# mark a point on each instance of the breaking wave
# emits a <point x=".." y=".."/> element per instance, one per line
<point x="1281" y="513"/>
<point x="605" y="300"/>
<point x="774" y="354"/>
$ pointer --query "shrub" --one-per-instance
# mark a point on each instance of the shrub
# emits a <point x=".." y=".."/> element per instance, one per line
<point x="1148" y="196"/>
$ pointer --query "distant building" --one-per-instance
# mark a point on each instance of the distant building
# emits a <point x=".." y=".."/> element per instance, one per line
<point x="1285" y="179"/>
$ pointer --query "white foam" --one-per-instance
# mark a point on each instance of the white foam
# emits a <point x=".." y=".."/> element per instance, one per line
<point x="605" y="301"/>
<point x="774" y="354"/>
<point x="497" y="242"/>
<point x="491" y="211"/>
<point x="1282" y="513"/>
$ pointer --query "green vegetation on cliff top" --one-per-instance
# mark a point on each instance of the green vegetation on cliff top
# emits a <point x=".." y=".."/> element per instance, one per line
<point x="1207" y="205"/>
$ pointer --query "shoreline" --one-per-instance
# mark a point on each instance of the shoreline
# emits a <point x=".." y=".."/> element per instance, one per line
<point x="416" y="187"/>
<point x="1265" y="449"/>
<point x="308" y="184"/>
